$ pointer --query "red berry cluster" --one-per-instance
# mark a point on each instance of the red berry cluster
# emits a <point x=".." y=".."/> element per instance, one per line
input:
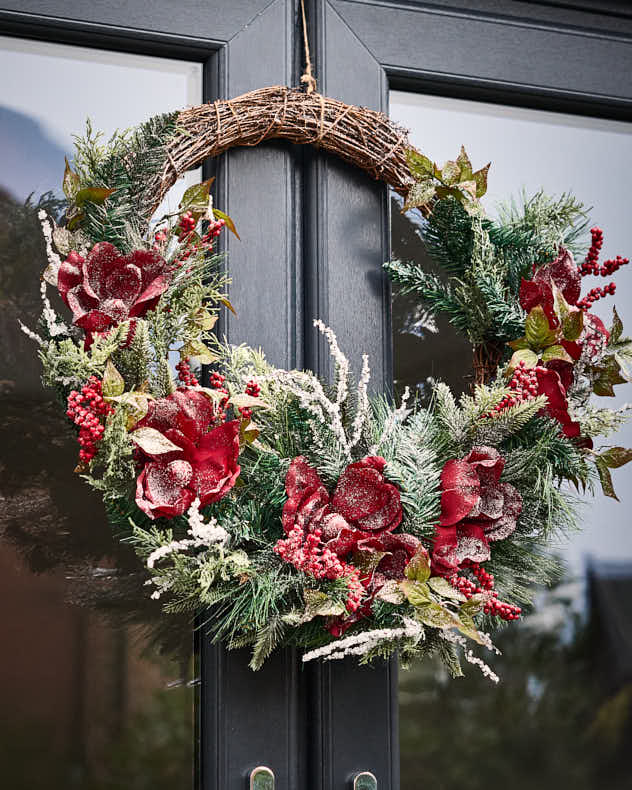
<point x="484" y="583"/>
<point x="523" y="386"/>
<point x="595" y="294"/>
<point x="217" y="383"/>
<point x="252" y="389"/>
<point x="86" y="409"/>
<point x="187" y="224"/>
<point x="591" y="262"/>
<point x="506" y="611"/>
<point x="185" y="374"/>
<point x="161" y="236"/>
<point x="306" y="553"/>
<point x="195" y="245"/>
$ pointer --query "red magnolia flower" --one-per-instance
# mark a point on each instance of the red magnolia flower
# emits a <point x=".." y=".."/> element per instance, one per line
<point x="360" y="516"/>
<point x="107" y="288"/>
<point x="476" y="508"/>
<point x="204" y="465"/>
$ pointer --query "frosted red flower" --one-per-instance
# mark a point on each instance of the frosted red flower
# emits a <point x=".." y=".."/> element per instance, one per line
<point x="360" y="516"/>
<point x="204" y="465"/>
<point x="476" y="509"/>
<point x="107" y="287"/>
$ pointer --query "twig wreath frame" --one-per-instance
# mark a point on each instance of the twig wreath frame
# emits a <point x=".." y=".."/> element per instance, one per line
<point x="364" y="138"/>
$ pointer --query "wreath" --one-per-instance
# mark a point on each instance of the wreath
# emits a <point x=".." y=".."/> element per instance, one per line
<point x="299" y="512"/>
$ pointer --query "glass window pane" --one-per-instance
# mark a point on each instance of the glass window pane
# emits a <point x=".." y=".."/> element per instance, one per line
<point x="94" y="689"/>
<point x="562" y="714"/>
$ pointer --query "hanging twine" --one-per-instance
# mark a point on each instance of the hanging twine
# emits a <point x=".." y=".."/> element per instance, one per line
<point x="308" y="77"/>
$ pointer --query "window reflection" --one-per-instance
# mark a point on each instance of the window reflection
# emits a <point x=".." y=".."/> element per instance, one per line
<point x="562" y="714"/>
<point x="93" y="678"/>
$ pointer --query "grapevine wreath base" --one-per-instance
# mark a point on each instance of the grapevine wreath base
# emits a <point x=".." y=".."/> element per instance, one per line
<point x="294" y="512"/>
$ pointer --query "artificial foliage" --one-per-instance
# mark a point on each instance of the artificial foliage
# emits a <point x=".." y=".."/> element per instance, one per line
<point x="295" y="511"/>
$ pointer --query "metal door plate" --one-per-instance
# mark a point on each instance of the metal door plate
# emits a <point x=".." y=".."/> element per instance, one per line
<point x="261" y="778"/>
<point x="365" y="781"/>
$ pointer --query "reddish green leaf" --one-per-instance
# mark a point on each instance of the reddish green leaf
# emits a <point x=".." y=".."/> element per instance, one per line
<point x="530" y="359"/>
<point x="229" y="223"/>
<point x="93" y="195"/>
<point x="465" y="166"/>
<point x="480" y="176"/>
<point x="573" y="324"/>
<point x="616" y="457"/>
<point x="419" y="194"/>
<point x="606" y="479"/>
<point x="450" y="173"/>
<point x="418" y="569"/>
<point x="419" y="165"/>
<point x="556" y="352"/>
<point x="70" y="182"/>
<point x="195" y="198"/>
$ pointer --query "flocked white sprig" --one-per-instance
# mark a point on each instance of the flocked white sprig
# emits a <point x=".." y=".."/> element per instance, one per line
<point x="202" y="534"/>
<point x="362" y="643"/>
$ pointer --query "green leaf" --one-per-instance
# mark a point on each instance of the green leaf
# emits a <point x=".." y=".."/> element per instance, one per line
<point x="417" y="593"/>
<point x="418" y="569"/>
<point x="519" y="344"/>
<point x="318" y="604"/>
<point x="436" y="616"/>
<point x="444" y="192"/>
<point x="136" y="404"/>
<point x="465" y="167"/>
<point x="573" y="324"/>
<point x="556" y="352"/>
<point x="70" y="182"/>
<point x="229" y="223"/>
<point x="530" y="359"/>
<point x="443" y="588"/>
<point x="203" y="320"/>
<point x="616" y="457"/>
<point x="391" y="592"/>
<point x="419" y="194"/>
<point x="450" y="173"/>
<point x="467" y="627"/>
<point x="419" y="165"/>
<point x="195" y="198"/>
<point x="93" y="195"/>
<point x="473" y="606"/>
<point x="199" y="350"/>
<point x="605" y="478"/>
<point x="480" y="176"/>
<point x="616" y="329"/>
<point x="113" y="382"/>
<point x="608" y="373"/>
<point x="537" y="329"/>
